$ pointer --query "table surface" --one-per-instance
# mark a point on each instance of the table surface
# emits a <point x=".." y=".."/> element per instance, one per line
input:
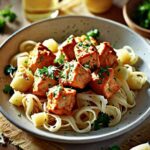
<point x="115" y="13"/>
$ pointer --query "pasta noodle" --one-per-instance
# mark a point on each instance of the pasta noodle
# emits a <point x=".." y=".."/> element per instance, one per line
<point x="136" y="80"/>
<point x="115" y="113"/>
<point x="126" y="55"/>
<point x="27" y="46"/>
<point x="74" y="126"/>
<point x="130" y="94"/>
<point x="45" y="93"/>
<point x="99" y="100"/>
<point x="13" y="61"/>
<point x="23" y="61"/>
<point x="31" y="104"/>
<point x="56" y="126"/>
<point x="121" y="73"/>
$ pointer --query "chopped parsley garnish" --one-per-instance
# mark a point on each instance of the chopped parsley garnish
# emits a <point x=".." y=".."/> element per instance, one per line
<point x="48" y="71"/>
<point x="8" y="89"/>
<point x="84" y="45"/>
<point x="93" y="33"/>
<point x="102" y="71"/>
<point x="80" y="43"/>
<point x="63" y="73"/>
<point x="70" y="38"/>
<point x="102" y="121"/>
<point x="114" y="147"/>
<point x="67" y="71"/>
<point x="57" y="90"/>
<point x="60" y="59"/>
<point x="9" y="69"/>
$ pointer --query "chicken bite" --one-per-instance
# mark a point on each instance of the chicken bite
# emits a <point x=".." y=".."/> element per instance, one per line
<point x="75" y="75"/>
<point x="67" y="47"/>
<point x="107" y="55"/>
<point x="41" y="57"/>
<point x="61" y="100"/>
<point x="87" y="55"/>
<point x="103" y="82"/>
<point x="44" y="79"/>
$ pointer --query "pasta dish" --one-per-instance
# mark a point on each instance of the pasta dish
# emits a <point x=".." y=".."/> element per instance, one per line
<point x="81" y="84"/>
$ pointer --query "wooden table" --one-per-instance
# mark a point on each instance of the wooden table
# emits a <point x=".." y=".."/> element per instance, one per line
<point x="115" y="13"/>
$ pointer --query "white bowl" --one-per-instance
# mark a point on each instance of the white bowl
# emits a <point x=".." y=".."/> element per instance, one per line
<point x="60" y="28"/>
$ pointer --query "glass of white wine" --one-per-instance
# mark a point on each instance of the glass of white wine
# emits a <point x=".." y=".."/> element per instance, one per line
<point x="39" y="9"/>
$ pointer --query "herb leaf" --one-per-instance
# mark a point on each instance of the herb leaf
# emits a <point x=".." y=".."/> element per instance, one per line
<point x="48" y="71"/>
<point x="102" y="121"/>
<point x="9" y="69"/>
<point x="93" y="33"/>
<point x="103" y="70"/>
<point x="8" y="89"/>
<point x="60" y="59"/>
<point x="57" y="90"/>
<point x="141" y="16"/>
<point x="114" y="147"/>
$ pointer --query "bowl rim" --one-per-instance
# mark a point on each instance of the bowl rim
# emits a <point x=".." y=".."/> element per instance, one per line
<point x="83" y="139"/>
<point x="128" y="19"/>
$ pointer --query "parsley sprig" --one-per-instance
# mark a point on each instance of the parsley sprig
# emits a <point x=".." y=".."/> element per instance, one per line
<point x="9" y="69"/>
<point x="60" y="59"/>
<point x="8" y="89"/>
<point x="93" y="33"/>
<point x="48" y="71"/>
<point x="102" y="121"/>
<point x="58" y="88"/>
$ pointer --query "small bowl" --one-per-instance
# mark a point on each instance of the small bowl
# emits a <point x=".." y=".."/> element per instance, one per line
<point x="128" y="10"/>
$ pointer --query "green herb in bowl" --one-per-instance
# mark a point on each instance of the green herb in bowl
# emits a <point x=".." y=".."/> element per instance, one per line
<point x="142" y="14"/>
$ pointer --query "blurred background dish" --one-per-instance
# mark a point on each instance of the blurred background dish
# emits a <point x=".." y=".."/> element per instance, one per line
<point x="137" y="16"/>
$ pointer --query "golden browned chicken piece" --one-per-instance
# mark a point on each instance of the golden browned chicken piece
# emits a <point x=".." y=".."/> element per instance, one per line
<point x="107" y="55"/>
<point x="67" y="47"/>
<point x="103" y="82"/>
<point x="87" y="55"/>
<point x="75" y="75"/>
<point x="61" y="100"/>
<point x="41" y="57"/>
<point x="44" y="79"/>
